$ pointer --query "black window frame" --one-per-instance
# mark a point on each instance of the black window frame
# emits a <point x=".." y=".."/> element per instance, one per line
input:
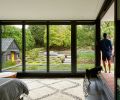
<point x="72" y="23"/>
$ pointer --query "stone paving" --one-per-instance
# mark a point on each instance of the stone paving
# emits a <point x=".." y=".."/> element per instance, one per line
<point x="55" y="89"/>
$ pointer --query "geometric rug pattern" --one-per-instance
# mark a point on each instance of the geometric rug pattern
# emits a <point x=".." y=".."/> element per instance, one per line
<point x="55" y="89"/>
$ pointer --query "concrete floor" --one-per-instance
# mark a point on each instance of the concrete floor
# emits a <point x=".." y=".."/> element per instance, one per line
<point x="95" y="91"/>
<point x="63" y="89"/>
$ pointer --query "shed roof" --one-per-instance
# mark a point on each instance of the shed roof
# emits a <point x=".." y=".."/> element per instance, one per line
<point x="6" y="43"/>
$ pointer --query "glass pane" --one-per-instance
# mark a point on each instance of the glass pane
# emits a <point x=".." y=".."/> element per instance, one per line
<point x="11" y="48"/>
<point x="85" y="47"/>
<point x="35" y="48"/>
<point x="60" y="47"/>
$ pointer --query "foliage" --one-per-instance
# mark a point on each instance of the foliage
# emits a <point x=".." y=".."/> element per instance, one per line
<point x="30" y="42"/>
<point x="9" y="63"/>
<point x="85" y="57"/>
<point x="108" y="27"/>
<point x="60" y="36"/>
<point x="33" y="53"/>
<point x="85" y="36"/>
<point x="38" y="32"/>
<point x="10" y="31"/>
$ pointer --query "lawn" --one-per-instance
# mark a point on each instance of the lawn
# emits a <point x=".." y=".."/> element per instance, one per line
<point x="36" y="60"/>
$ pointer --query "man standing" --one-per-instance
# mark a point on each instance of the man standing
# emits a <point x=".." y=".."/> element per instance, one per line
<point x="106" y="48"/>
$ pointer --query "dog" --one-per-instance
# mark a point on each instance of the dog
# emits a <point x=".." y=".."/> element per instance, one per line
<point x="92" y="73"/>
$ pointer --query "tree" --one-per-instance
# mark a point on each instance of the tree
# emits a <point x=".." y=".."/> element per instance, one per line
<point x="10" y="31"/>
<point x="38" y="32"/>
<point x="85" y="36"/>
<point x="108" y="27"/>
<point x="59" y="36"/>
<point x="30" y="42"/>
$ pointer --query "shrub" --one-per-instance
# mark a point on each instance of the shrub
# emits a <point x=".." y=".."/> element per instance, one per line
<point x="9" y="63"/>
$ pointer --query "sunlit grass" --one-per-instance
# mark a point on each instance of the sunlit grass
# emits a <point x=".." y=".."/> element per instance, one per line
<point x="85" y="60"/>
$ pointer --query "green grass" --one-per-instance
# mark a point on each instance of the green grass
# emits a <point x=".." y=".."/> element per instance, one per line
<point x="85" y="57"/>
<point x="15" y="69"/>
<point x="85" y="66"/>
<point x="85" y="60"/>
<point x="8" y="64"/>
<point x="36" y="67"/>
<point x="85" y="54"/>
<point x="59" y="67"/>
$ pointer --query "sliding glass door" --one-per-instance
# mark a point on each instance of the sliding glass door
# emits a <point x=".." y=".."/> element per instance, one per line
<point x="85" y="47"/>
<point x="47" y="47"/>
<point x="35" y="58"/>
<point x="60" y="47"/>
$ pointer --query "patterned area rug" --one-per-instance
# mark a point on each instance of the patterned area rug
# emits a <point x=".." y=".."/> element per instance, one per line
<point x="55" y="89"/>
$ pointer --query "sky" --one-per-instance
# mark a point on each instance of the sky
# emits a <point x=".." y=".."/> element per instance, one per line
<point x="20" y="26"/>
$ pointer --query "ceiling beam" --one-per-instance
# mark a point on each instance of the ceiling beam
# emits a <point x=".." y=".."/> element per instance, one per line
<point x="44" y="22"/>
<point x="106" y="5"/>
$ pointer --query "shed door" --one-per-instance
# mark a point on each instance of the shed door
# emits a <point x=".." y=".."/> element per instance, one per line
<point x="12" y="56"/>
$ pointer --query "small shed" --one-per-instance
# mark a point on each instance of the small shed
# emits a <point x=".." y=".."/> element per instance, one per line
<point x="10" y="50"/>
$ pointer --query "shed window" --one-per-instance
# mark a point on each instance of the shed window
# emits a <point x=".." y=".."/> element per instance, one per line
<point x="17" y="56"/>
<point x="8" y="57"/>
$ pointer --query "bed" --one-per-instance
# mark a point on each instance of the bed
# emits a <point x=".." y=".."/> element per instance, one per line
<point x="12" y="89"/>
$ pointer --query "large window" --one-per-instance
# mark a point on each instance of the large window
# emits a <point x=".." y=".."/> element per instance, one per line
<point x="11" y="48"/>
<point x="85" y="47"/>
<point x="60" y="47"/>
<point x="47" y="48"/>
<point x="36" y="59"/>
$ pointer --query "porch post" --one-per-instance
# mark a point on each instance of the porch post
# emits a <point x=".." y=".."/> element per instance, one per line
<point x="117" y="37"/>
<point x="47" y="48"/>
<point x="23" y="48"/>
<point x="117" y="44"/>
<point x="97" y="44"/>
<point x="73" y="47"/>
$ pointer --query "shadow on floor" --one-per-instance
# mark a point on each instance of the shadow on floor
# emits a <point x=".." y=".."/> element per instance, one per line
<point x="95" y="91"/>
